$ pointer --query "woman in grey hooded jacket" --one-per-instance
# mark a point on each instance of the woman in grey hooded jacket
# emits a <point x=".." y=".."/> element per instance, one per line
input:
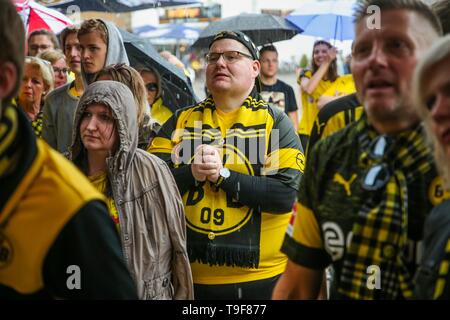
<point x="143" y="197"/>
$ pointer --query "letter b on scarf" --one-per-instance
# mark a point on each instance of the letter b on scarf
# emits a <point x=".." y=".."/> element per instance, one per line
<point x="374" y="278"/>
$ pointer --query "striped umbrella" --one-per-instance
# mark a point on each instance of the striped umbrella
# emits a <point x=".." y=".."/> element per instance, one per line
<point x="36" y="16"/>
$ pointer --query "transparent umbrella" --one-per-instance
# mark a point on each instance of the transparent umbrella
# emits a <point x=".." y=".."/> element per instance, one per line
<point x="141" y="53"/>
<point x="261" y="28"/>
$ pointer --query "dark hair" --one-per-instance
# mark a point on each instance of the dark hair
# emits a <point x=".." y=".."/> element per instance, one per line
<point x="94" y="25"/>
<point x="239" y="37"/>
<point x="12" y="39"/>
<point x="332" y="73"/>
<point x="81" y="161"/>
<point x="45" y="32"/>
<point x="267" y="47"/>
<point x="63" y="35"/>
<point x="417" y="6"/>
<point x="442" y="10"/>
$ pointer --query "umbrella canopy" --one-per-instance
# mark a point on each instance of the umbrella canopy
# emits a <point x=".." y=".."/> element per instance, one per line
<point x="36" y="16"/>
<point x="261" y="28"/>
<point x="114" y="5"/>
<point x="326" y="19"/>
<point x="141" y="53"/>
<point x="144" y="29"/>
<point x="179" y="32"/>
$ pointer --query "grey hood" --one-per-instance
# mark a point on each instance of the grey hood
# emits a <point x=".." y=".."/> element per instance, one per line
<point x="149" y="205"/>
<point x="116" y="51"/>
<point x="119" y="98"/>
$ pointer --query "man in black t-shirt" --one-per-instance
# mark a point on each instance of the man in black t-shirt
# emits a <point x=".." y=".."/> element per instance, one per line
<point x="275" y="91"/>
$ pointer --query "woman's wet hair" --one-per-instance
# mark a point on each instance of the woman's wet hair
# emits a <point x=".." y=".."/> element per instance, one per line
<point x="133" y="80"/>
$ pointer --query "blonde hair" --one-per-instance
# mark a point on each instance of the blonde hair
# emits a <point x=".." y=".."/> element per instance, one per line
<point x="52" y="55"/>
<point x="45" y="69"/>
<point x="439" y="52"/>
<point x="133" y="80"/>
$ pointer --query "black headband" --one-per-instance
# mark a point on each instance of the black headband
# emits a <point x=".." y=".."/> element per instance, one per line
<point x="246" y="41"/>
<point x="239" y="37"/>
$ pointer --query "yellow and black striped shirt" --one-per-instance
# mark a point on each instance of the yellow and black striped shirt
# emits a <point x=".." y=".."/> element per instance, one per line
<point x="334" y="116"/>
<point x="254" y="141"/>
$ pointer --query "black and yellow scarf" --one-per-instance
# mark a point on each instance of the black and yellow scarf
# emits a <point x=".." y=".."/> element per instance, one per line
<point x="9" y="146"/>
<point x="36" y="123"/>
<point x="9" y="128"/>
<point x="222" y="231"/>
<point x="380" y="231"/>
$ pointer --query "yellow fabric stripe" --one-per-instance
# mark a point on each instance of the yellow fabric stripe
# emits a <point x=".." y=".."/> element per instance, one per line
<point x="337" y="122"/>
<point x="6" y="137"/>
<point x="283" y="159"/>
<point x="306" y="228"/>
<point x="160" y="112"/>
<point x="160" y="145"/>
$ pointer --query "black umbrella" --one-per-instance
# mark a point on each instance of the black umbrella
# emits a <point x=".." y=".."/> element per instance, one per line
<point x="177" y="89"/>
<point x="113" y="5"/>
<point x="261" y="28"/>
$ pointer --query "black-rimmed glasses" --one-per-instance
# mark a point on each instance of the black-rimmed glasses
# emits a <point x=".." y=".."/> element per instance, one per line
<point x="228" y="56"/>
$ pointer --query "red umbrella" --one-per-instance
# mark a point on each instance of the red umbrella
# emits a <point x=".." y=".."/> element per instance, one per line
<point x="36" y="16"/>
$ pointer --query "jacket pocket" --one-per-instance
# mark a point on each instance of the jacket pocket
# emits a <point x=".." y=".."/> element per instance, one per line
<point x="425" y="281"/>
<point x="160" y="288"/>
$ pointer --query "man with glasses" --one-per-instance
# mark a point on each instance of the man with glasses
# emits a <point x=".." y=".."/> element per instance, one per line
<point x="237" y="162"/>
<point x="368" y="187"/>
<point x="41" y="40"/>
<point x="61" y="103"/>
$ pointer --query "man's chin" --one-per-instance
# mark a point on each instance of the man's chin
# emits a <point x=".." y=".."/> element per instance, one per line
<point x="380" y="104"/>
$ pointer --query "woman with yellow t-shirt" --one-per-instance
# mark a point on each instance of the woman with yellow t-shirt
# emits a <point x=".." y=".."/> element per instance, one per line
<point x="313" y="83"/>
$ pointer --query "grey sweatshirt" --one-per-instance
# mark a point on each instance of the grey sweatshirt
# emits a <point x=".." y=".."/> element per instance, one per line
<point x="116" y="51"/>
<point x="60" y="106"/>
<point x="59" y="109"/>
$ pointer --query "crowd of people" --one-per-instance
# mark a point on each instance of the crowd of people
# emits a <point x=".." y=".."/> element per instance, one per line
<point x="232" y="197"/>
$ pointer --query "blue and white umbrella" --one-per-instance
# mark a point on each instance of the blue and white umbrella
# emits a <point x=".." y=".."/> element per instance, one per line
<point x="177" y="32"/>
<point x="142" y="29"/>
<point x="331" y="20"/>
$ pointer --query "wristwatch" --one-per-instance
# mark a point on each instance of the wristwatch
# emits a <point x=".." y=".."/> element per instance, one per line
<point x="224" y="173"/>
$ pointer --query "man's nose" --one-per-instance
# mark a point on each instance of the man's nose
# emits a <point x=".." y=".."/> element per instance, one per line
<point x="84" y="54"/>
<point x="377" y="56"/>
<point x="221" y="60"/>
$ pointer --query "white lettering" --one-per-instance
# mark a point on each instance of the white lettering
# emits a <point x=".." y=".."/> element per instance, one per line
<point x="374" y="20"/>
<point x="374" y="279"/>
<point x="74" y="280"/>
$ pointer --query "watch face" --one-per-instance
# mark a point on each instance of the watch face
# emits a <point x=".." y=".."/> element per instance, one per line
<point x="224" y="172"/>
